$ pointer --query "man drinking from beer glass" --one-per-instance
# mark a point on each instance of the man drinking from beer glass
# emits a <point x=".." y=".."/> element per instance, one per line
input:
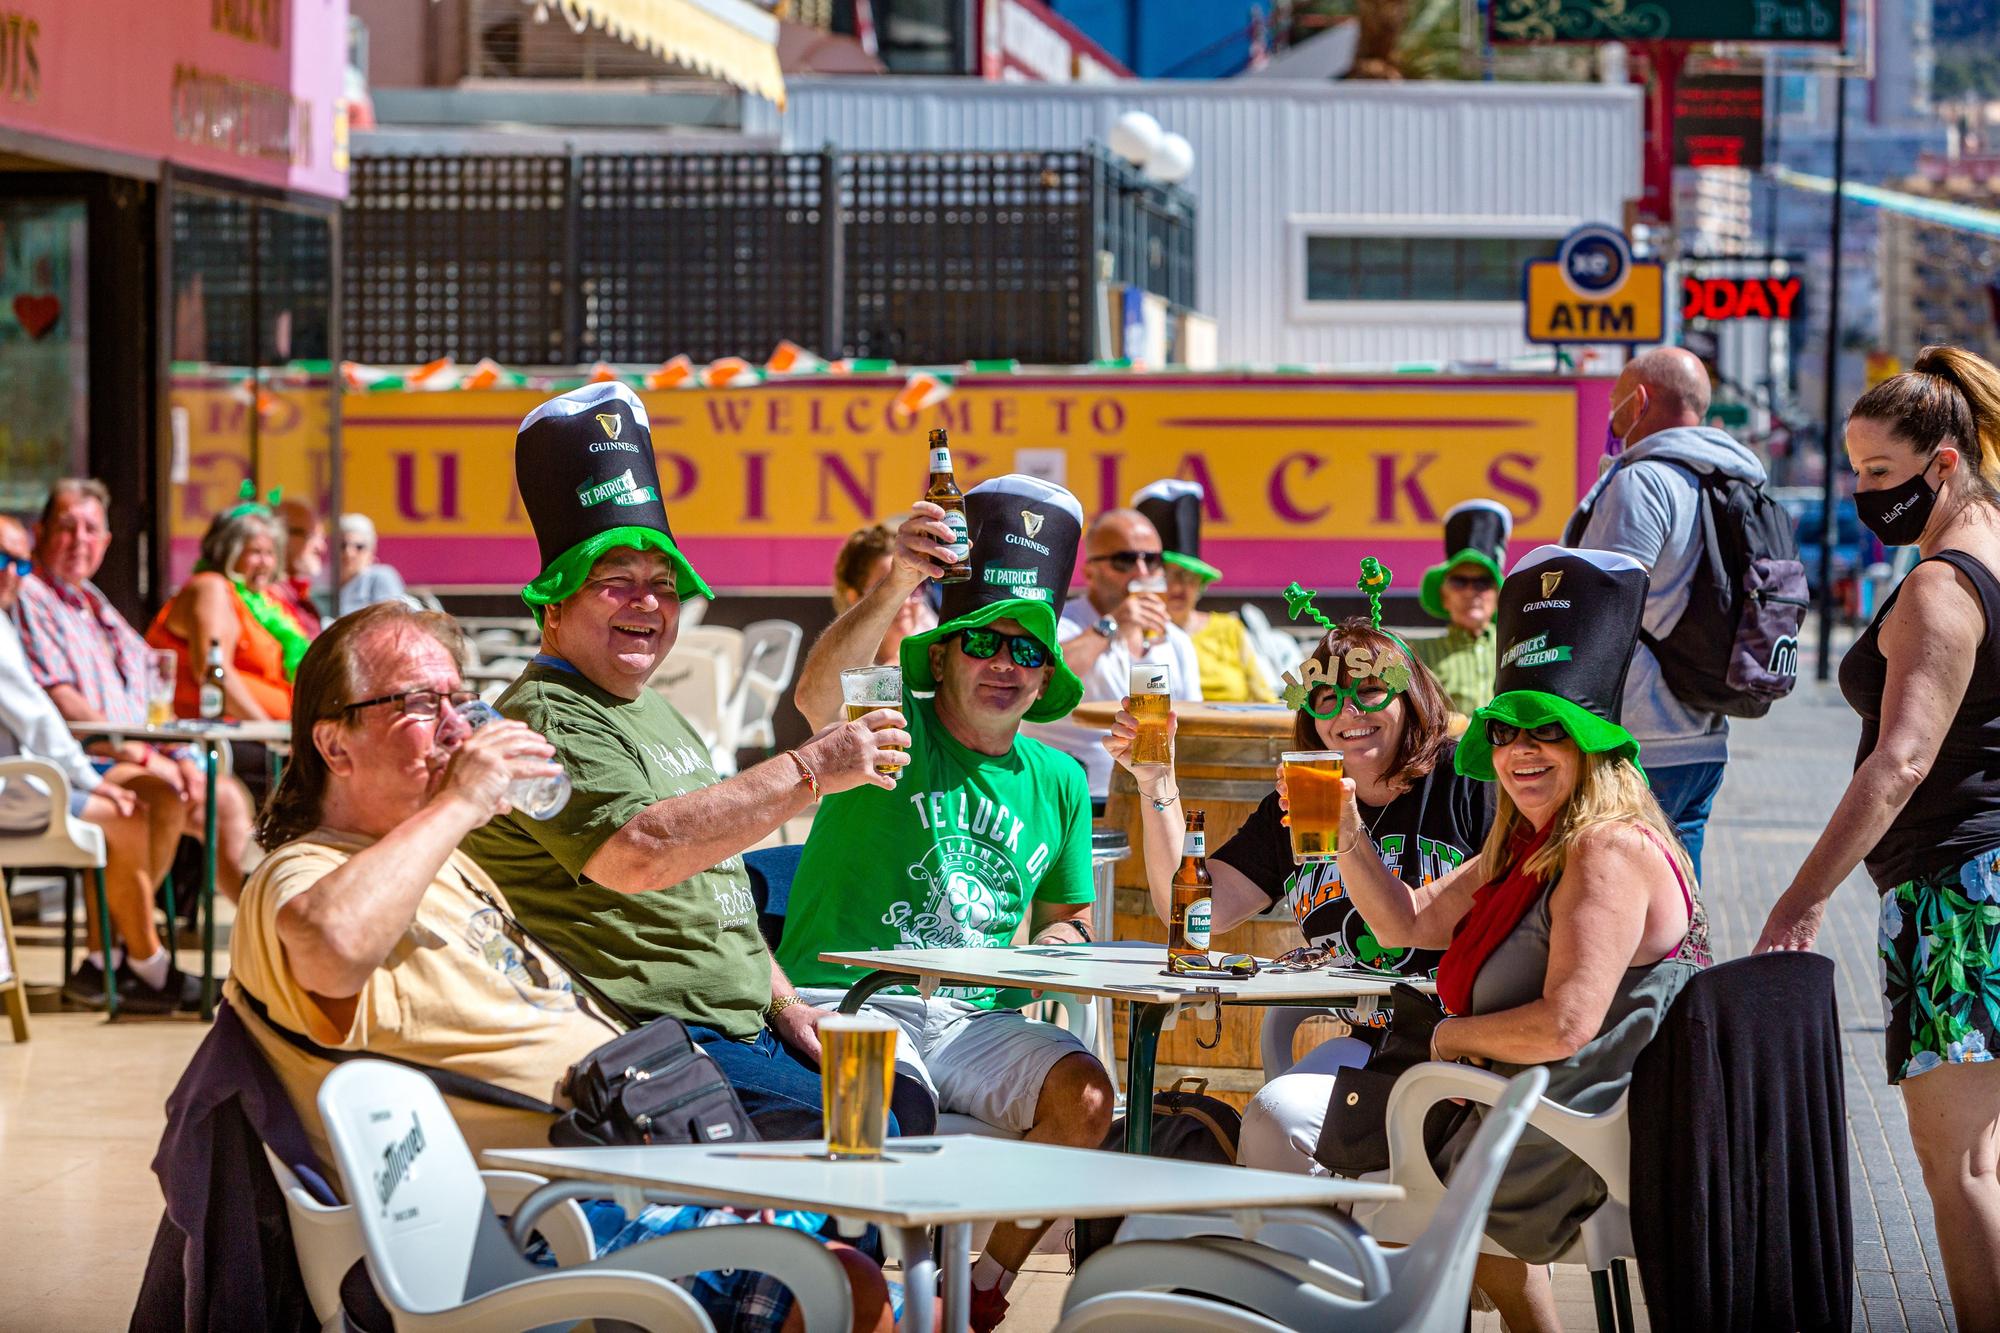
<point x="984" y="826"/>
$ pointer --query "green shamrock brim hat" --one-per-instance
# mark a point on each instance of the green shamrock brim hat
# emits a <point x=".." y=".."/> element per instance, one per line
<point x="1430" y="593"/>
<point x="1194" y="565"/>
<point x="1533" y="708"/>
<point x="566" y="573"/>
<point x="1038" y="618"/>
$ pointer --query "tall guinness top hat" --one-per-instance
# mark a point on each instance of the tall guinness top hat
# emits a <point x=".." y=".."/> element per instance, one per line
<point x="1475" y="533"/>
<point x="1569" y="620"/>
<point x="1024" y="533"/>
<point x="1175" y="510"/>
<point x="584" y="464"/>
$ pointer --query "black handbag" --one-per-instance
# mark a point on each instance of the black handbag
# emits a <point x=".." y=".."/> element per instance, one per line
<point x="1354" y="1139"/>
<point x="650" y="1085"/>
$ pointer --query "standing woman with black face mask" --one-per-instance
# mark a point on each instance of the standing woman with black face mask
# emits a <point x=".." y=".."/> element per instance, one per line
<point x="1923" y="807"/>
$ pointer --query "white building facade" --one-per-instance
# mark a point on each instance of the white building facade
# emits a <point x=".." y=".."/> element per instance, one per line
<point x="1339" y="223"/>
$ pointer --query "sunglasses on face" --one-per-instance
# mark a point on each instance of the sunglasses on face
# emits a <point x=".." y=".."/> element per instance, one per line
<point x="1127" y="561"/>
<point x="983" y="644"/>
<point x="1470" y="582"/>
<point x="420" y="704"/>
<point x="14" y="564"/>
<point x="1549" y="733"/>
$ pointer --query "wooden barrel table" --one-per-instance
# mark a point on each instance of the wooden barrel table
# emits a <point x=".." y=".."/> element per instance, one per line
<point x="1225" y="760"/>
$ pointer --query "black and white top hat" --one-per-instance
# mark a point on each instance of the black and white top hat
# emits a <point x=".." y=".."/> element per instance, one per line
<point x="1174" y="507"/>
<point x="1475" y="533"/>
<point x="1569" y="620"/>
<point x="1024" y="534"/>
<point x="584" y="464"/>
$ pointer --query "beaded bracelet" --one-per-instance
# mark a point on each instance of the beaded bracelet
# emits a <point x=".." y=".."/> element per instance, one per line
<point x="805" y="771"/>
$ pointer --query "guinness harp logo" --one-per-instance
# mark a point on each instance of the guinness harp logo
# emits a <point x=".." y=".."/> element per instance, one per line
<point x="1031" y="522"/>
<point x="1550" y="581"/>
<point x="611" y="422"/>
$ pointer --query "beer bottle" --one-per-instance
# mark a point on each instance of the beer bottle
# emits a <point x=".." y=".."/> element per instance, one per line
<point x="211" y="684"/>
<point x="944" y="493"/>
<point x="1187" y="930"/>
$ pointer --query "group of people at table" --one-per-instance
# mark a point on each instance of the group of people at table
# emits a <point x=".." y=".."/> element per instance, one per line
<point x="405" y="909"/>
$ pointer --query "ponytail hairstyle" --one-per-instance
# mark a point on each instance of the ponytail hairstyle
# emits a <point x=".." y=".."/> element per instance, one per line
<point x="1950" y="396"/>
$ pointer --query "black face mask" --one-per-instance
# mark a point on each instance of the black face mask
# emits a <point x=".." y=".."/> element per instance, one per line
<point x="1897" y="515"/>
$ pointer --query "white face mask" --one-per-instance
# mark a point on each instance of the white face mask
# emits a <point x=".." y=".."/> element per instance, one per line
<point x="1614" y="443"/>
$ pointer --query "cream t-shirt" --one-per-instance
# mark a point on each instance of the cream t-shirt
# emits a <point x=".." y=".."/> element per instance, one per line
<point x="457" y="992"/>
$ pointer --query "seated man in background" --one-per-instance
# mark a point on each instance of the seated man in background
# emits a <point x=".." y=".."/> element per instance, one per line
<point x="983" y="828"/>
<point x="140" y="815"/>
<point x="97" y="668"/>
<point x="638" y="881"/>
<point x="367" y="929"/>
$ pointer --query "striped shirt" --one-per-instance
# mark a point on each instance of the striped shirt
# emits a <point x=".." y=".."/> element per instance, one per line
<point x="1464" y="666"/>
<point x="75" y="637"/>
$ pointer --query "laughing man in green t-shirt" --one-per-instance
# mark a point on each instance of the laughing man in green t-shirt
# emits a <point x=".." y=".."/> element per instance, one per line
<point x="985" y="826"/>
<point x="637" y="881"/>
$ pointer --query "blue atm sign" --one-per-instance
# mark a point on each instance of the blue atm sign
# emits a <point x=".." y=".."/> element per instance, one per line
<point x="1593" y="291"/>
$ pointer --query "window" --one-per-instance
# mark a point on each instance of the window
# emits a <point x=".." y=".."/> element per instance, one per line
<point x="1420" y="268"/>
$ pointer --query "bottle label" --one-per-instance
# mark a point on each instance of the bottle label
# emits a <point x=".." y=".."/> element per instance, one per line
<point x="941" y="460"/>
<point x="961" y="539"/>
<point x="1197" y="920"/>
<point x="211" y="701"/>
<point x="1195" y="844"/>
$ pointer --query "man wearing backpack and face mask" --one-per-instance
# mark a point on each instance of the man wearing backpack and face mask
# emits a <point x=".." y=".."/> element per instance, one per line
<point x="1648" y="505"/>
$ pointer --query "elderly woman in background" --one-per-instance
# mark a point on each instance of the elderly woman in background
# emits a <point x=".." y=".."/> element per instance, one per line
<point x="228" y="603"/>
<point x="863" y="562"/>
<point x="1570" y="933"/>
<point x="364" y="580"/>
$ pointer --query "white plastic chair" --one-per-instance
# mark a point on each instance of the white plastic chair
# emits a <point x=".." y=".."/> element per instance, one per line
<point x="1161" y="1312"/>
<point x="770" y="658"/>
<point x="67" y="843"/>
<point x="440" y="1259"/>
<point x="696" y="682"/>
<point x="327" y="1239"/>
<point x="1278" y="651"/>
<point x="1428" y="1283"/>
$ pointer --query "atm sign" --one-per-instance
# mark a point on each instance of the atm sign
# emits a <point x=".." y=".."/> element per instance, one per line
<point x="1722" y="299"/>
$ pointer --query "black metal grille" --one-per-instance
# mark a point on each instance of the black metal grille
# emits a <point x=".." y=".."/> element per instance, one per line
<point x="928" y="258"/>
<point x="709" y="254"/>
<point x="456" y="256"/>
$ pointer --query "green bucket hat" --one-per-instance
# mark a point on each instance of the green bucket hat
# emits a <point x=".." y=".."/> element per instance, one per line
<point x="1174" y="508"/>
<point x="1023" y="534"/>
<point x="584" y="464"/>
<point x="1568" y="622"/>
<point x="1475" y="533"/>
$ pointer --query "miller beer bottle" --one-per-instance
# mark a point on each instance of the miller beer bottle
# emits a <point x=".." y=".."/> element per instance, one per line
<point x="1187" y="928"/>
<point x="944" y="493"/>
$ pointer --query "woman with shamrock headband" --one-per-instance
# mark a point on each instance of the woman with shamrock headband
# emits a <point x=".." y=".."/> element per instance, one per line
<point x="227" y="601"/>
<point x="1386" y="713"/>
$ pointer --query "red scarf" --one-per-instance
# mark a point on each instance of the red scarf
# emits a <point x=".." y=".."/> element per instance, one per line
<point x="1497" y="907"/>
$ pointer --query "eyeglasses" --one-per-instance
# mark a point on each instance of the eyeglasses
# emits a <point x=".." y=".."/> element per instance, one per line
<point x="354" y="546"/>
<point x="1470" y="582"/>
<point x="1235" y="964"/>
<point x="420" y="704"/>
<point x="1127" y="561"/>
<point x="16" y="565"/>
<point x="1305" y="958"/>
<point x="1549" y="733"/>
<point x="983" y="644"/>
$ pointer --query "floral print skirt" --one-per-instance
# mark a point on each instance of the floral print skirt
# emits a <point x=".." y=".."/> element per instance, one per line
<point x="1939" y="941"/>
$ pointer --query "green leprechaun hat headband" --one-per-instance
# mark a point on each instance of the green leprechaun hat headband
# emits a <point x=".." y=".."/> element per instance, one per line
<point x="246" y="500"/>
<point x="1358" y="665"/>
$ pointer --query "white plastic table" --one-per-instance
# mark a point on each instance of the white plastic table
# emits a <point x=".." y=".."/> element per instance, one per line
<point x="1117" y="971"/>
<point x="951" y="1182"/>
<point x="209" y="736"/>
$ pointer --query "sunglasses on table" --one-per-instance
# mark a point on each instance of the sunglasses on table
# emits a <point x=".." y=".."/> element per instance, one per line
<point x="421" y="704"/>
<point x="1229" y="965"/>
<point x="983" y="644"/>
<point x="1504" y="733"/>
<point x="1127" y="561"/>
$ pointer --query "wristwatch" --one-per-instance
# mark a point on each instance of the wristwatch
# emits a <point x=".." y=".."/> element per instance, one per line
<point x="1107" y="627"/>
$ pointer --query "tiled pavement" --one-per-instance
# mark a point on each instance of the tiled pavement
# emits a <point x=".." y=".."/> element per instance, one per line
<point x="1786" y="772"/>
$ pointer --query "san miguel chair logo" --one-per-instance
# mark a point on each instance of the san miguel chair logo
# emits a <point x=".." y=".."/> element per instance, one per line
<point x="1031" y="522"/>
<point x="397" y="1159"/>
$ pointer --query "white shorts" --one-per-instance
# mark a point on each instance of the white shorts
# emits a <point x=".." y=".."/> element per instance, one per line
<point x="986" y="1063"/>
<point x="1282" y="1122"/>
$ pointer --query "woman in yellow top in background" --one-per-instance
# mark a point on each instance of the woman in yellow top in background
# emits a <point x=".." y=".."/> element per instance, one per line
<point x="1230" y="671"/>
<point x="1465" y="591"/>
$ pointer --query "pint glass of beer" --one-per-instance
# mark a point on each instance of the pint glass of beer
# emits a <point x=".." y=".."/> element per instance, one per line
<point x="1155" y="584"/>
<point x="1152" y="701"/>
<point x="160" y="695"/>
<point x="1312" y="786"/>
<point x="857" y="1068"/>
<point x="866" y="689"/>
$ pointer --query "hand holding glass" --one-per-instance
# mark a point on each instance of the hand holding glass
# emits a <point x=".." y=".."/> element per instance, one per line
<point x="537" y="798"/>
<point x="864" y="690"/>
<point x="1156" y="585"/>
<point x="1313" y="793"/>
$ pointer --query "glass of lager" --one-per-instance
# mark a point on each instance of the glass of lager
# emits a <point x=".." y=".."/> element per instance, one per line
<point x="857" y="1069"/>
<point x="160" y="699"/>
<point x="1312" y="788"/>
<point x="1156" y="584"/>
<point x="866" y="689"/>
<point x="1152" y="702"/>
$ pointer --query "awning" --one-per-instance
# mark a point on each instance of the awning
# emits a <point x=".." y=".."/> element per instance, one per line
<point x="732" y="40"/>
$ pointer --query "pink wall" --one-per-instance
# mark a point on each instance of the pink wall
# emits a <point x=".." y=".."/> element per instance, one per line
<point x="241" y="88"/>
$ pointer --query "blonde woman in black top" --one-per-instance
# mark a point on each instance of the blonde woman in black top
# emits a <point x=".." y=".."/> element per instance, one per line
<point x="1923" y="807"/>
